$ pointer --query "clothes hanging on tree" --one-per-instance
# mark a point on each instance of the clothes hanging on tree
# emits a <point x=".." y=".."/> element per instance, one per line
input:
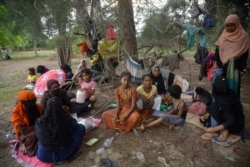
<point x="208" y="22"/>
<point x="200" y="56"/>
<point x="191" y="32"/>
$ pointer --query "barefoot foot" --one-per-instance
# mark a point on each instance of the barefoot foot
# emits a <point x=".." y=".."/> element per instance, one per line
<point x="171" y="127"/>
<point x="223" y="136"/>
<point x="142" y="127"/>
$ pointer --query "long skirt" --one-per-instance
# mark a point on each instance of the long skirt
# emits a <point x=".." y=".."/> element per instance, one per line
<point x="133" y="121"/>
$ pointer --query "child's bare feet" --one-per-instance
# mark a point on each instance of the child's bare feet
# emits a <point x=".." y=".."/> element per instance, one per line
<point x="142" y="127"/>
<point x="223" y="136"/>
<point x="171" y="127"/>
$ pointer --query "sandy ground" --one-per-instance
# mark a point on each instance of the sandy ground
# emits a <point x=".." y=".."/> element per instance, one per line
<point x="182" y="147"/>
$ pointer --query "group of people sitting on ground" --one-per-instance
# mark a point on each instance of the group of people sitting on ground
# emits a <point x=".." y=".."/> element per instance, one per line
<point x="134" y="105"/>
<point x="39" y="126"/>
<point x="48" y="131"/>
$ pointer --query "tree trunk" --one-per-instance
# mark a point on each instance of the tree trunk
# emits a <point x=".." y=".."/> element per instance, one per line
<point x="64" y="51"/>
<point x="1" y="55"/>
<point x="128" y="33"/>
<point x="81" y="11"/>
<point x="35" y="48"/>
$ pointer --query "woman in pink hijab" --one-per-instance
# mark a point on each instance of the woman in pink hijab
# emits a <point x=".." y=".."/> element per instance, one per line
<point x="231" y="52"/>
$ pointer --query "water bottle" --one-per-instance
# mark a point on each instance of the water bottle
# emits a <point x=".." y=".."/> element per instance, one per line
<point x="107" y="143"/>
<point x="100" y="150"/>
<point x="140" y="156"/>
<point x="80" y="96"/>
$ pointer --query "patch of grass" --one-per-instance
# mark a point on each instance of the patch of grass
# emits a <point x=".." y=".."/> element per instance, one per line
<point x="17" y="75"/>
<point x="31" y="54"/>
<point x="9" y="92"/>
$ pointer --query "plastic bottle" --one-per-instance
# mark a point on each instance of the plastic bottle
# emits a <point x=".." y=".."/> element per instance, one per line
<point x="80" y="96"/>
<point x="108" y="142"/>
<point x="100" y="150"/>
<point x="140" y="156"/>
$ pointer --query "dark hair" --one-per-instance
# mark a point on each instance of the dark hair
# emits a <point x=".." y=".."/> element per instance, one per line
<point x="66" y="68"/>
<point x="41" y="69"/>
<point x="175" y="91"/>
<point x="86" y="71"/>
<point x="146" y="75"/>
<point x="32" y="70"/>
<point x="126" y="73"/>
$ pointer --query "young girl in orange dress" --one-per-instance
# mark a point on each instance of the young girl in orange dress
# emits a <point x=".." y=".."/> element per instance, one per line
<point x="125" y="117"/>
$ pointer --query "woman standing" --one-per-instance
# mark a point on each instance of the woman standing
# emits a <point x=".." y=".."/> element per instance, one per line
<point x="232" y="51"/>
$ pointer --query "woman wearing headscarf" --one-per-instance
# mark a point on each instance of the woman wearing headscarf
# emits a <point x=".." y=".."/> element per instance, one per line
<point x="226" y="111"/>
<point x="54" y="90"/>
<point x="59" y="135"/>
<point x="158" y="81"/>
<point x="23" y="118"/>
<point x="232" y="51"/>
<point x="81" y="65"/>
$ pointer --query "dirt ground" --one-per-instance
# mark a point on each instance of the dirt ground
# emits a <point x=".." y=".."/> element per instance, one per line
<point x="182" y="147"/>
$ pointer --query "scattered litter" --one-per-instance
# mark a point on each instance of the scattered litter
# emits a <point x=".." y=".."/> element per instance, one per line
<point x="112" y="105"/>
<point x="140" y="156"/>
<point x="91" y="141"/>
<point x="135" y="132"/>
<point x="106" y="162"/>
<point x="100" y="150"/>
<point x="108" y="142"/>
<point x="230" y="157"/>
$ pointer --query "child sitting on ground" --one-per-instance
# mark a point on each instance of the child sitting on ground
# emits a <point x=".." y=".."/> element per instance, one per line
<point x="126" y="116"/>
<point x="175" y="116"/>
<point x="87" y="84"/>
<point x="147" y="94"/>
<point x="32" y="77"/>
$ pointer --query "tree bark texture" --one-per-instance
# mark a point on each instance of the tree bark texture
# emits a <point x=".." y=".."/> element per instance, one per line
<point x="64" y="51"/>
<point x="128" y="33"/>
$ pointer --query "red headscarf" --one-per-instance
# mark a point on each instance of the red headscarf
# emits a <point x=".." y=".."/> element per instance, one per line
<point x="233" y="44"/>
<point x="22" y="115"/>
